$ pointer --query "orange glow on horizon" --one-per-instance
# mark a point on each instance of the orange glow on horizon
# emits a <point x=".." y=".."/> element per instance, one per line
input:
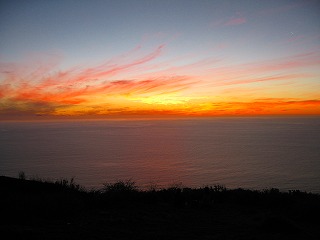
<point x="135" y="87"/>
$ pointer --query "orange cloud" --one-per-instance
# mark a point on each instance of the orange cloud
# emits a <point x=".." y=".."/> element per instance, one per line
<point x="41" y="85"/>
<point x="133" y="84"/>
<point x="267" y="107"/>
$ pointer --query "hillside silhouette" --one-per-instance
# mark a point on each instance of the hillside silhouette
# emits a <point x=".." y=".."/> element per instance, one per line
<point x="37" y="209"/>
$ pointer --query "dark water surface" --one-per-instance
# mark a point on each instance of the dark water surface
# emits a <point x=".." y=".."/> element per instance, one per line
<point x="251" y="153"/>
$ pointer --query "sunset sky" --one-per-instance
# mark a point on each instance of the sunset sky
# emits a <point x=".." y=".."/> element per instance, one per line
<point x="159" y="58"/>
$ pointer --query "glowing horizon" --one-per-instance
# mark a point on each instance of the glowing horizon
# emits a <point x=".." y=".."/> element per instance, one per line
<point x="162" y="81"/>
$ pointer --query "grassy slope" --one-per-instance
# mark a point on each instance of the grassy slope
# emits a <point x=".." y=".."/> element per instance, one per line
<point x="62" y="210"/>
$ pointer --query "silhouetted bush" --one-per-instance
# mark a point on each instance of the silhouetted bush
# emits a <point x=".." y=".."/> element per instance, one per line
<point x="209" y="212"/>
<point x="22" y="175"/>
<point x="120" y="187"/>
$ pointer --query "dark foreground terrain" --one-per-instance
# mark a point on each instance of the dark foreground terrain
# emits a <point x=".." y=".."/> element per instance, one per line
<point x="34" y="209"/>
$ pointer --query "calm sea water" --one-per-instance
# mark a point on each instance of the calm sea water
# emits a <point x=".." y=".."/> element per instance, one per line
<point x="253" y="153"/>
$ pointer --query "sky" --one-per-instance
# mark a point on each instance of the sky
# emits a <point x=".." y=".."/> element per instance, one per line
<point x="127" y="59"/>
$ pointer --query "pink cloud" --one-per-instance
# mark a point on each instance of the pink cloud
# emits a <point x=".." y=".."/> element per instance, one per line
<point x="235" y="21"/>
<point x="284" y="69"/>
<point x="263" y="79"/>
<point x="288" y="63"/>
<point x="238" y="19"/>
<point x="269" y="66"/>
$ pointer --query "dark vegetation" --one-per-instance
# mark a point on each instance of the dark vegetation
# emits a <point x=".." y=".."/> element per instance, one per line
<point x="37" y="209"/>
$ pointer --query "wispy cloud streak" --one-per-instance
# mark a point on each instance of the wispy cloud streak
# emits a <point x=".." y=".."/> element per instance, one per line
<point x="135" y="82"/>
<point x="43" y="85"/>
<point x="290" y="68"/>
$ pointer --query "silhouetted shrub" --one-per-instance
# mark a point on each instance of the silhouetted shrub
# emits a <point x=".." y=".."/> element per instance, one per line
<point x="71" y="185"/>
<point x="120" y="187"/>
<point x="22" y="175"/>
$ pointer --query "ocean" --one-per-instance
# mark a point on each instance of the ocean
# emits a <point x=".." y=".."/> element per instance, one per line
<point x="253" y="153"/>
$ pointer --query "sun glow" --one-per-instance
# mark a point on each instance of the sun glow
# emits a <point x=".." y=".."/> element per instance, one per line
<point x="165" y="99"/>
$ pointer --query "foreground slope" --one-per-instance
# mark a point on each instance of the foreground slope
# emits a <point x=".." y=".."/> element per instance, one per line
<point x="63" y="210"/>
